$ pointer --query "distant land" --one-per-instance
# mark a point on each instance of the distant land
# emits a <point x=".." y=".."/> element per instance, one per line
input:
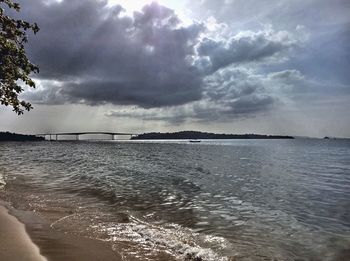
<point x="8" y="136"/>
<point x="194" y="135"/>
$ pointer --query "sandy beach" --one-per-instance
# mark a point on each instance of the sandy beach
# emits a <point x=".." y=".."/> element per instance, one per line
<point x="15" y="244"/>
<point x="27" y="236"/>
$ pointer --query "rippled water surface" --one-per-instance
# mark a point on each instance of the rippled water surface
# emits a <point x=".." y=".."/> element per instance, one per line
<point x="248" y="199"/>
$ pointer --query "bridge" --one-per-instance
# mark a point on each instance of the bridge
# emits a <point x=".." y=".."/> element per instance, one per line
<point x="54" y="136"/>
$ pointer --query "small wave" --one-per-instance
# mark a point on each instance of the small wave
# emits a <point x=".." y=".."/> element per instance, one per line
<point x="2" y="182"/>
<point x="180" y="242"/>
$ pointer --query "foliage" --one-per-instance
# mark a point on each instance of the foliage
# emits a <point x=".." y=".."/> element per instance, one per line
<point x="15" y="67"/>
<point x="7" y="136"/>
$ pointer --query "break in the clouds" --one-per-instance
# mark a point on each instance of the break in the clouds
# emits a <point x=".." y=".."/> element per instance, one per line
<point x="202" y="62"/>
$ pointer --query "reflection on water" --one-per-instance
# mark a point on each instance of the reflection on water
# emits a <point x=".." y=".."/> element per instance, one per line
<point x="253" y="199"/>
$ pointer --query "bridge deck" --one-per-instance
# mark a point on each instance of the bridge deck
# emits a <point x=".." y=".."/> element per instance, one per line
<point x="77" y="134"/>
<point x="87" y="133"/>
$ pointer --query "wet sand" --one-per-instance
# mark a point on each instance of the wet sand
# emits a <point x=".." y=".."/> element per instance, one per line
<point x="25" y="235"/>
<point x="15" y="244"/>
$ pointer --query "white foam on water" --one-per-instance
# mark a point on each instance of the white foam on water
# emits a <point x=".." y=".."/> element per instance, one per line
<point x="180" y="242"/>
<point x="2" y="181"/>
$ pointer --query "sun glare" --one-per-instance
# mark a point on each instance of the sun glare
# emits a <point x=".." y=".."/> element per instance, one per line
<point x="134" y="5"/>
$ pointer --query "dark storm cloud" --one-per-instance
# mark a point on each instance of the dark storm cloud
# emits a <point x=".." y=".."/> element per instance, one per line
<point x="204" y="111"/>
<point x="156" y="93"/>
<point x="90" y="53"/>
<point x="102" y="56"/>
<point x="228" y="94"/>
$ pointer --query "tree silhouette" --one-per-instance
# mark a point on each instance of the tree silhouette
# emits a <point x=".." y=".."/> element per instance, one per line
<point x="15" y="67"/>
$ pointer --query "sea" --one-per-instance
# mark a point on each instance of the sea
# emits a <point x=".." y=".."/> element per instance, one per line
<point x="177" y="200"/>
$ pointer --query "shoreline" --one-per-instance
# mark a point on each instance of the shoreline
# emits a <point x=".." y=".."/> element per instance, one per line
<point x="15" y="243"/>
<point x="25" y="235"/>
<point x="66" y="232"/>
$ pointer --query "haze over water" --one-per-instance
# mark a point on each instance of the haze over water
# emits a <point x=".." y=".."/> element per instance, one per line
<point x="252" y="199"/>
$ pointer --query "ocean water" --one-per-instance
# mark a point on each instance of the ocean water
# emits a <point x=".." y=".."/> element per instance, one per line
<point x="218" y="200"/>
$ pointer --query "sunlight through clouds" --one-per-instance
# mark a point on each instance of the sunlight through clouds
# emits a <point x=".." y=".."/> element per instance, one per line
<point x="136" y="5"/>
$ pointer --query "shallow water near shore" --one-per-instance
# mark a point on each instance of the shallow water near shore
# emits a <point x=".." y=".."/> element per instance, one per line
<point x="242" y="199"/>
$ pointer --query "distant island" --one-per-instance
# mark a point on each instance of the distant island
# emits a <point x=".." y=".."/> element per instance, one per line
<point x="193" y="135"/>
<point x="8" y="136"/>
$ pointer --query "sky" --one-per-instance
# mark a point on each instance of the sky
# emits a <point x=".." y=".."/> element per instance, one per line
<point x="226" y="66"/>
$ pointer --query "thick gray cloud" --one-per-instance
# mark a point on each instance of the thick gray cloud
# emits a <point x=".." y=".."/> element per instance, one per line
<point x="245" y="47"/>
<point x="229" y="94"/>
<point x="102" y="56"/>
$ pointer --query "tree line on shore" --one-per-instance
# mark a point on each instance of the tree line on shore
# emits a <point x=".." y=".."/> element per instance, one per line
<point x="203" y="135"/>
<point x="8" y="136"/>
